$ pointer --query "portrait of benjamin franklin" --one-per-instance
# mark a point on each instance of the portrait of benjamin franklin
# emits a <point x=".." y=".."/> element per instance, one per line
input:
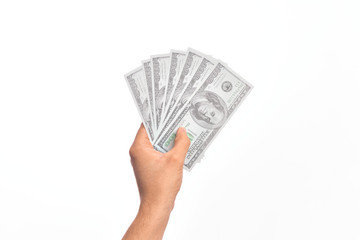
<point x="208" y="110"/>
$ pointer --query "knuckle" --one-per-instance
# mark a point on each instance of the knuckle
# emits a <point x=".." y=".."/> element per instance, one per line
<point x="132" y="151"/>
<point x="176" y="158"/>
<point x="173" y="157"/>
<point x="167" y="156"/>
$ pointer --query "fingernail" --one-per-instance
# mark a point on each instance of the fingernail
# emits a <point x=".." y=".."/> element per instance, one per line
<point x="182" y="129"/>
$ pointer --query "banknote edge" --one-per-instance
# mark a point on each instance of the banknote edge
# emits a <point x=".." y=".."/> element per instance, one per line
<point x="137" y="107"/>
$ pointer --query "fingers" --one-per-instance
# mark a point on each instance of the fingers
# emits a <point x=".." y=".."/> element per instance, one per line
<point x="181" y="146"/>
<point x="142" y="136"/>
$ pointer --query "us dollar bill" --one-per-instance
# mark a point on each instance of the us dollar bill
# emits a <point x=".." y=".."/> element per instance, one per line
<point x="160" y="67"/>
<point x="206" y="65"/>
<point x="207" y="112"/>
<point x="147" y="68"/>
<point x="137" y="85"/>
<point x="177" y="59"/>
<point x="192" y="61"/>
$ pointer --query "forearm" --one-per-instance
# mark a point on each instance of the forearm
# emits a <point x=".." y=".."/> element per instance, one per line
<point x="150" y="223"/>
<point x="158" y="176"/>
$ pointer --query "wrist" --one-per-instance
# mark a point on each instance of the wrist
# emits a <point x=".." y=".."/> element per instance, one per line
<point x="156" y="208"/>
<point x="156" y="215"/>
<point x="151" y="220"/>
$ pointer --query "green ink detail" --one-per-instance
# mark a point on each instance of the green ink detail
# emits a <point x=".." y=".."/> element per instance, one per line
<point x="171" y="138"/>
<point x="190" y="136"/>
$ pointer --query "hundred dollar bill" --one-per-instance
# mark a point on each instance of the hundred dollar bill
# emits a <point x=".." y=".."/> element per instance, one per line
<point x="147" y="68"/>
<point x="206" y="65"/>
<point x="137" y="85"/>
<point x="192" y="61"/>
<point x="206" y="113"/>
<point x="176" y="64"/>
<point x="160" y="67"/>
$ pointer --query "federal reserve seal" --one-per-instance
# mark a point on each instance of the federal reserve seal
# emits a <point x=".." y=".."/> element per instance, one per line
<point x="226" y="86"/>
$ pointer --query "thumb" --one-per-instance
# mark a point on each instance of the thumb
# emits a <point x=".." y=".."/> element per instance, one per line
<point x="182" y="143"/>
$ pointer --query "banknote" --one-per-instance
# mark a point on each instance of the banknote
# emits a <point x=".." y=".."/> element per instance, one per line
<point x="160" y="66"/>
<point x="202" y="72"/>
<point x="185" y="89"/>
<point x="208" y="110"/>
<point x="138" y="88"/>
<point x="192" y="61"/>
<point x="147" y="68"/>
<point x="177" y="59"/>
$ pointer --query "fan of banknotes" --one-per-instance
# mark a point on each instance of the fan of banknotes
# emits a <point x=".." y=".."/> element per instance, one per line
<point x="185" y="89"/>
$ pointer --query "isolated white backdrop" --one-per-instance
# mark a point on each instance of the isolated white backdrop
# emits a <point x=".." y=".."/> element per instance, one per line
<point x="285" y="167"/>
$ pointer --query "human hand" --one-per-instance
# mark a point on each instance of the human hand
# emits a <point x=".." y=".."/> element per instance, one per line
<point x="158" y="175"/>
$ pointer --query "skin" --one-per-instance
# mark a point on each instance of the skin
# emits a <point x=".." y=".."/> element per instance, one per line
<point x="159" y="177"/>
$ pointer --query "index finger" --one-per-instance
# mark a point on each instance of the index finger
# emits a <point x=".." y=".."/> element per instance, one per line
<point x="142" y="136"/>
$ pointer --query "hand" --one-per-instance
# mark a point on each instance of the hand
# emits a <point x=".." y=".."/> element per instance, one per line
<point x="158" y="176"/>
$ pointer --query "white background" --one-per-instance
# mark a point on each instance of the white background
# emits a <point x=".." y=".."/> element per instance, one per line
<point x="285" y="167"/>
